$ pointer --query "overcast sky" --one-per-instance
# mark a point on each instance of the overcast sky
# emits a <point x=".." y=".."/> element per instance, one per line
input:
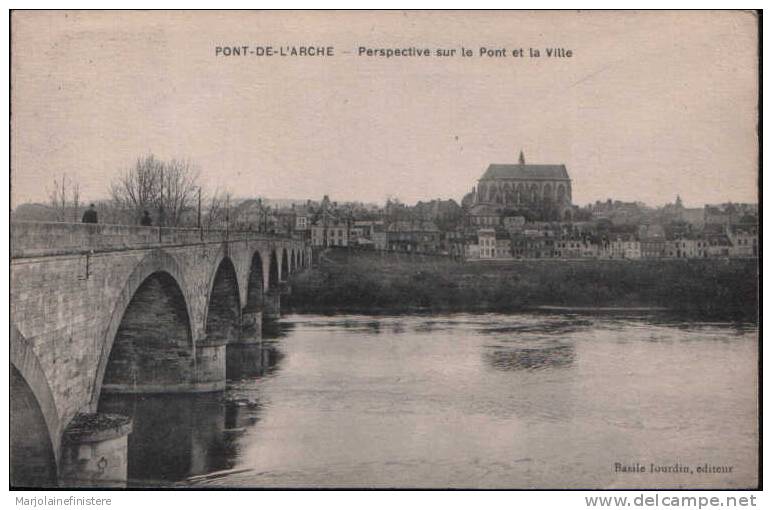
<point x="650" y="105"/>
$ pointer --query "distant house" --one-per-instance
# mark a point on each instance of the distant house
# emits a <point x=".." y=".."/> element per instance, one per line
<point x="453" y="242"/>
<point x="329" y="230"/>
<point x="534" y="244"/>
<point x="413" y="237"/>
<point x="687" y="248"/>
<point x="653" y="241"/>
<point x="503" y="246"/>
<point x="729" y="213"/>
<point x="744" y="241"/>
<point x="486" y="239"/>
<point x="483" y="215"/>
<point x="380" y="239"/>
<point x="718" y="246"/>
<point x="653" y="247"/>
<point x="365" y="228"/>
<point x="513" y="224"/>
<point x="302" y="219"/>
<point x="625" y="247"/>
<point x="576" y="247"/>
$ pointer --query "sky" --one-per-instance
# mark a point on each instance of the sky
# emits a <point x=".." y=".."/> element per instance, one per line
<point x="650" y="105"/>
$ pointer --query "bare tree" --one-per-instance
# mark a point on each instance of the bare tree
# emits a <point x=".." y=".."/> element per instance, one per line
<point x="75" y="201"/>
<point x="167" y="188"/>
<point x="216" y="211"/>
<point x="58" y="195"/>
<point x="138" y="188"/>
<point x="178" y="180"/>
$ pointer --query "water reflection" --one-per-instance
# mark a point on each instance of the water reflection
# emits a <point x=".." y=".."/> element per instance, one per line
<point x="247" y="361"/>
<point x="273" y="330"/>
<point x="176" y="437"/>
<point x="559" y="326"/>
<point x="464" y="400"/>
<point x="529" y="358"/>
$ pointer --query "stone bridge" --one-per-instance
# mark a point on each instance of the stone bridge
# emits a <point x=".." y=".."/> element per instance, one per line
<point x="98" y="308"/>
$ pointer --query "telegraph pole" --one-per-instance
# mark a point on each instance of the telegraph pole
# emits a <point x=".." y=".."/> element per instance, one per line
<point x="199" y="208"/>
<point x="161" y="218"/>
<point x="200" y="230"/>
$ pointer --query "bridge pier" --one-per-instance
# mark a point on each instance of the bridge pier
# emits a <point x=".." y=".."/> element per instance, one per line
<point x="95" y="451"/>
<point x="211" y="359"/>
<point x="251" y="327"/>
<point x="243" y="357"/>
<point x="244" y="360"/>
<point x="272" y="304"/>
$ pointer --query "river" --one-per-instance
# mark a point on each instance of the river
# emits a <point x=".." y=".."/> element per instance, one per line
<point x="467" y="400"/>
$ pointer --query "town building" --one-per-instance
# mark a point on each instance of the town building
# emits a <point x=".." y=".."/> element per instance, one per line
<point x="539" y="192"/>
<point x="653" y="247"/>
<point x="534" y="244"/>
<point x="625" y="247"/>
<point x="686" y="248"/>
<point x="503" y="246"/>
<point x="329" y="230"/>
<point x="380" y="239"/>
<point x="413" y="237"/>
<point x="744" y="240"/>
<point x="576" y="248"/>
<point x="486" y="238"/>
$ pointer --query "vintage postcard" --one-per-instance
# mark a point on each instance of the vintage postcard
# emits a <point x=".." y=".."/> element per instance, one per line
<point x="385" y="249"/>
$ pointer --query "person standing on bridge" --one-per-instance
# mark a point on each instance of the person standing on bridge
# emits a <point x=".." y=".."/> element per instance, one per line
<point x="146" y="220"/>
<point x="90" y="216"/>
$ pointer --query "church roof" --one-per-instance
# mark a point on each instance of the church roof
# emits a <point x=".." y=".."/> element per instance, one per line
<point x="527" y="172"/>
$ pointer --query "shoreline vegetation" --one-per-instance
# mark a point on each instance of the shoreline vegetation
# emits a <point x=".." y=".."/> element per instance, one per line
<point x="379" y="283"/>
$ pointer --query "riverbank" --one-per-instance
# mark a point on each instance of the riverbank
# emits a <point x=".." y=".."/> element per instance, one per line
<point x="372" y="282"/>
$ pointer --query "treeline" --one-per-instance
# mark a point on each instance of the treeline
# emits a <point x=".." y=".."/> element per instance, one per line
<point x="720" y="289"/>
<point x="169" y="190"/>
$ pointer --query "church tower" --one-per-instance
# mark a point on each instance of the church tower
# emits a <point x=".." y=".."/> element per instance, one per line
<point x="522" y="158"/>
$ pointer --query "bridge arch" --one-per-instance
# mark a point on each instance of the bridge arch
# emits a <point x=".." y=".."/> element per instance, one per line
<point x="35" y="428"/>
<point x="222" y="321"/>
<point x="157" y="276"/>
<point x="153" y="348"/>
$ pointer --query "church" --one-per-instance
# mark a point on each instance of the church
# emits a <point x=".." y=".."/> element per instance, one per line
<point x="536" y="192"/>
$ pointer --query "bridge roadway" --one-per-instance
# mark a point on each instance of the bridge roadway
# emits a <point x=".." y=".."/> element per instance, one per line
<point x="111" y="308"/>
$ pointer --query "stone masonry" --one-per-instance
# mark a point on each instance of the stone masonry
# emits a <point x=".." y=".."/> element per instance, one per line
<point x="72" y="284"/>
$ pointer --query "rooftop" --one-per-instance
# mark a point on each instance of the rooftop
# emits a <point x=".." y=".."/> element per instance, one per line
<point x="526" y="172"/>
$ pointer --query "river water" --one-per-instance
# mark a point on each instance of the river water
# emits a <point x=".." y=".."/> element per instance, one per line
<point x="467" y="400"/>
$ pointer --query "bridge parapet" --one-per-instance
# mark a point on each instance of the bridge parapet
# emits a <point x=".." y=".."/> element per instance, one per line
<point x="32" y="239"/>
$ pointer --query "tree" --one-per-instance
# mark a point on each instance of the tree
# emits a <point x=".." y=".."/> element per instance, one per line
<point x="216" y="214"/>
<point x="58" y="197"/>
<point x="75" y="201"/>
<point x="167" y="188"/>
<point x="178" y="179"/>
<point x="138" y="188"/>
